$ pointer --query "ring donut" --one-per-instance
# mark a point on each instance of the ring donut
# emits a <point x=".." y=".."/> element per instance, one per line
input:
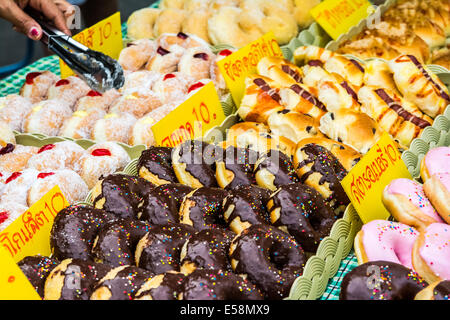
<point x="141" y="23"/>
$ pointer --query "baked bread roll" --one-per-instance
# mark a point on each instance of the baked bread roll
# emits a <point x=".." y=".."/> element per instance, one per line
<point x="378" y="74"/>
<point x="350" y="69"/>
<point x="237" y="129"/>
<point x="280" y="70"/>
<point x="419" y="85"/>
<point x="353" y="128"/>
<point x="304" y="54"/>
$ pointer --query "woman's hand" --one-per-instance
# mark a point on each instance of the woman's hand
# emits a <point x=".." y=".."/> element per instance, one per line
<point x="59" y="12"/>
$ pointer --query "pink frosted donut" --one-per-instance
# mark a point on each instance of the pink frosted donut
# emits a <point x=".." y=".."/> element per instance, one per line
<point x="94" y="99"/>
<point x="172" y="87"/>
<point x="431" y="253"/>
<point x="47" y="117"/>
<point x="17" y="186"/>
<point x="13" y="110"/>
<point x="71" y="184"/>
<point x="165" y="61"/>
<point x="137" y="103"/>
<point x="385" y="240"/>
<point x="15" y="157"/>
<point x="437" y="189"/>
<point x="196" y="62"/>
<point x="81" y="123"/>
<point x="141" y="81"/>
<point x="114" y="127"/>
<point x="10" y="211"/>
<point x="405" y="199"/>
<point x="70" y="90"/>
<point x="435" y="161"/>
<point x="37" y="84"/>
<point x="136" y="54"/>
<point x="58" y="156"/>
<point x="102" y="159"/>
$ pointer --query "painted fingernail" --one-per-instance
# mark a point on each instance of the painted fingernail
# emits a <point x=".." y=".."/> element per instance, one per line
<point x="34" y="32"/>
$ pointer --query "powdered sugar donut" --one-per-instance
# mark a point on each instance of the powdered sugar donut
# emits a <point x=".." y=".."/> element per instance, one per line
<point x="431" y="253"/>
<point x="81" y="123"/>
<point x="13" y="110"/>
<point x="47" y="117"/>
<point x="70" y="90"/>
<point x="196" y="62"/>
<point x="37" y="84"/>
<point x="95" y="99"/>
<point x="57" y="156"/>
<point x="10" y="211"/>
<point x="165" y="61"/>
<point x="385" y="240"/>
<point x="181" y="39"/>
<point x="102" y="159"/>
<point x="71" y="184"/>
<point x="172" y="87"/>
<point x="17" y="186"/>
<point x="6" y="134"/>
<point x="137" y="103"/>
<point x="437" y="189"/>
<point x="435" y="161"/>
<point x="114" y="127"/>
<point x="195" y="87"/>
<point x="215" y="74"/>
<point x="141" y="81"/>
<point x="136" y="54"/>
<point x="15" y="157"/>
<point x="407" y="202"/>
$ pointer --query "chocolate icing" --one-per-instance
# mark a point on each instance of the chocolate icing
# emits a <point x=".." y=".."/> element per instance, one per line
<point x="208" y="249"/>
<point x="116" y="241"/>
<point x="315" y="63"/>
<point x="199" y="158"/>
<point x="218" y="285"/>
<point x="305" y="214"/>
<point x="278" y="164"/>
<point x="349" y="90"/>
<point x="294" y="74"/>
<point x="74" y="230"/>
<point x="169" y="288"/>
<point x="162" y="204"/>
<point x="7" y="149"/>
<point x="401" y="111"/>
<point x="158" y="161"/>
<point x="161" y="252"/>
<point x="80" y="278"/>
<point x="36" y="269"/>
<point x="205" y="210"/>
<point x="249" y="204"/>
<point x="308" y="96"/>
<point x="123" y="194"/>
<point x="356" y="63"/>
<point x="442" y="290"/>
<point x="264" y="86"/>
<point x="395" y="281"/>
<point x="270" y="258"/>
<point x="240" y="161"/>
<point x="126" y="283"/>
<point x="331" y="170"/>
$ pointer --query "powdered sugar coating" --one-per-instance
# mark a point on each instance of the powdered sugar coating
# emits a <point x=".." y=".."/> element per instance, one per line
<point x="103" y="101"/>
<point x="136" y="103"/>
<point x="136" y="54"/>
<point x="17" y="159"/>
<point x="196" y="62"/>
<point x="17" y="186"/>
<point x="114" y="127"/>
<point x="13" y="110"/>
<point x="37" y="90"/>
<point x="173" y="88"/>
<point x="12" y="210"/>
<point x="47" y="117"/>
<point x="81" y="123"/>
<point x="73" y="89"/>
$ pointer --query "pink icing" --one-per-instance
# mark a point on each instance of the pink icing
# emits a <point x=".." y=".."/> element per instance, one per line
<point x="437" y="160"/>
<point x="389" y="241"/>
<point x="435" y="250"/>
<point x="444" y="178"/>
<point x="413" y="191"/>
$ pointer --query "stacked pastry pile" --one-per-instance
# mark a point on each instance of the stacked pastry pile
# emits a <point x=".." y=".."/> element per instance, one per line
<point x="344" y="100"/>
<point x="417" y="27"/>
<point x="28" y="173"/>
<point x="197" y="214"/>
<point x="231" y="22"/>
<point x="160" y="75"/>
<point x="416" y="249"/>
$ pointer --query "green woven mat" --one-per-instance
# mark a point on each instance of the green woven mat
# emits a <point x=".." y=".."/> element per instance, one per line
<point x="334" y="285"/>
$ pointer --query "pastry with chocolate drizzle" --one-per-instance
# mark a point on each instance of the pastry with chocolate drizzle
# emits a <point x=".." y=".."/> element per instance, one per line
<point x="164" y="286"/>
<point x="36" y="269"/>
<point x="439" y="290"/>
<point x="155" y="165"/>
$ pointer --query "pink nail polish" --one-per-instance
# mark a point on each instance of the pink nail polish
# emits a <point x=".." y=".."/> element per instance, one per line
<point x="34" y="32"/>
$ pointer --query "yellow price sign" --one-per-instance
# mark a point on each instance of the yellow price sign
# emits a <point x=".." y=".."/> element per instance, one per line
<point x="365" y="183"/>
<point x="191" y="119"/>
<point x="336" y="17"/>
<point x="105" y="36"/>
<point x="237" y="66"/>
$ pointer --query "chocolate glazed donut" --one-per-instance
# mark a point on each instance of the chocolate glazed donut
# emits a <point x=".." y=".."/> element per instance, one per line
<point x="194" y="163"/>
<point x="320" y="169"/>
<point x="202" y="208"/>
<point x="381" y="280"/>
<point x="116" y="242"/>
<point x="245" y="206"/>
<point x="159" y="250"/>
<point x="121" y="194"/>
<point x="234" y="167"/>
<point x="162" y="204"/>
<point x="155" y="165"/>
<point x="207" y="249"/>
<point x="302" y="212"/>
<point x="36" y="269"/>
<point x="121" y="283"/>
<point x="270" y="258"/>
<point x="274" y="169"/>
<point x="165" y="286"/>
<point x="74" y="230"/>
<point x="205" y="284"/>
